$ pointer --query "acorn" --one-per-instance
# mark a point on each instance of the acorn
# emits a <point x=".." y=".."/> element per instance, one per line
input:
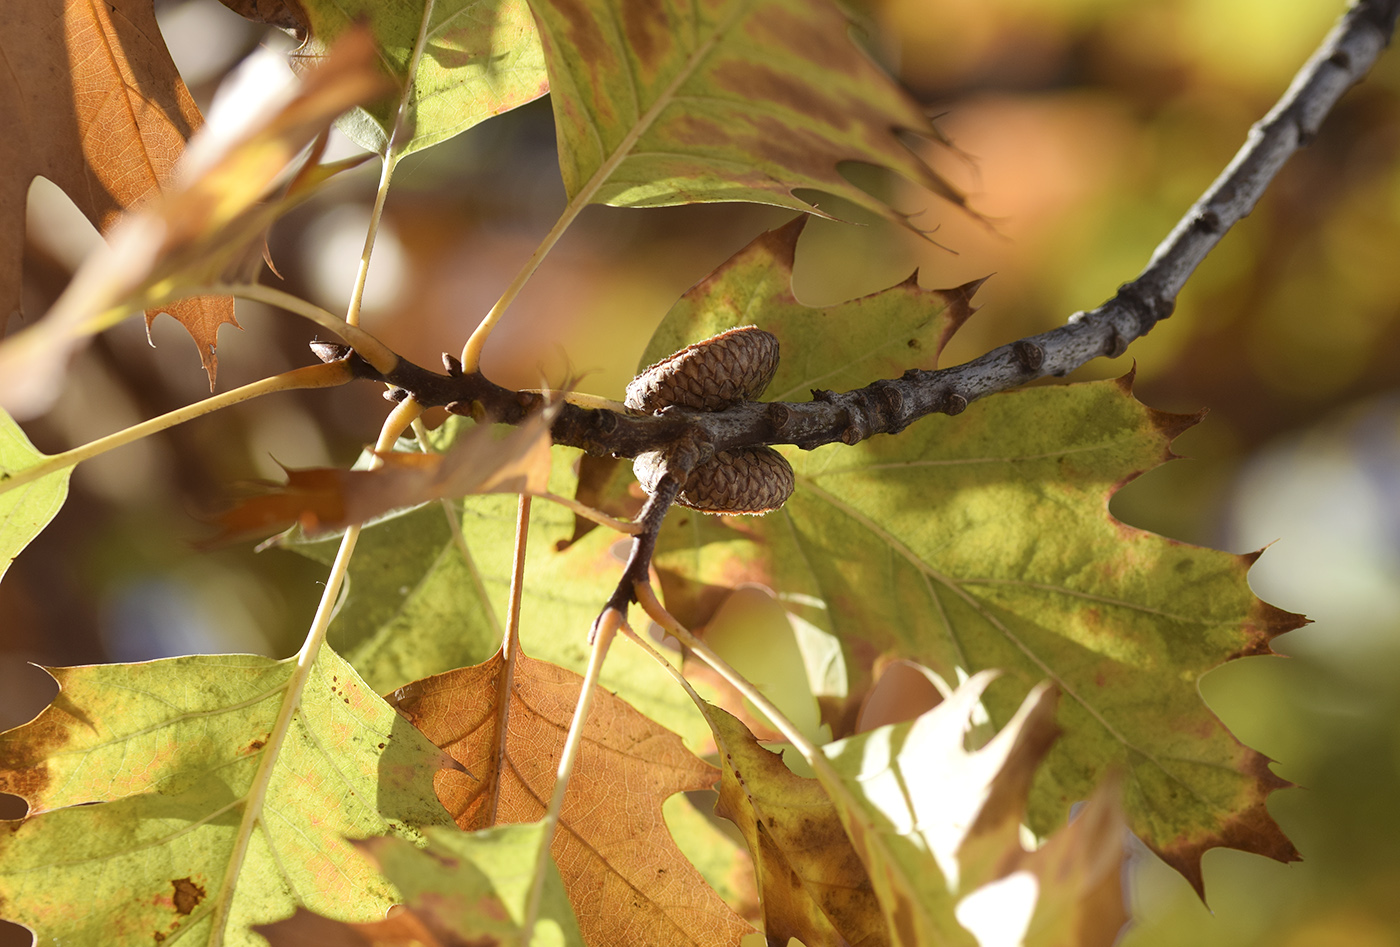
<point x="717" y="373"/>
<point x="711" y="375"/>
<point x="747" y="480"/>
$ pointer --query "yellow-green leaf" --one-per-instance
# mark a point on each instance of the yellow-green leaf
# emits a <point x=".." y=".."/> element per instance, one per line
<point x="421" y="603"/>
<point x="161" y="794"/>
<point x="728" y="100"/>
<point x="983" y="541"/>
<point x="462" y="888"/>
<point x="483" y="58"/>
<point x="24" y="510"/>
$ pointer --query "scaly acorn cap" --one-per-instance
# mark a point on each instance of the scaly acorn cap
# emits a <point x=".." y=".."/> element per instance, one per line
<point x="711" y="375"/>
<point x="748" y="480"/>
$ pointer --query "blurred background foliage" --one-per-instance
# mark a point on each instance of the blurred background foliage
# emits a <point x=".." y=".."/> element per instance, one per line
<point x="1086" y="127"/>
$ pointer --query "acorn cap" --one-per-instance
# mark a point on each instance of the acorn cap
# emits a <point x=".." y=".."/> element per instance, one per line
<point x="711" y="375"/>
<point x="748" y="480"/>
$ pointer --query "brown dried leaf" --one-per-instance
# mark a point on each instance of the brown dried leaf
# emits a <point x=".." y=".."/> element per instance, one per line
<point x="284" y="14"/>
<point x="811" y="881"/>
<point x="194" y="232"/>
<point x="326" y="498"/>
<point x="94" y="103"/>
<point x="626" y="879"/>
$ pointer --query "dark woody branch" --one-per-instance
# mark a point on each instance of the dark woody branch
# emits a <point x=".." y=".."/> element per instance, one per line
<point x="687" y="437"/>
<point x="888" y="406"/>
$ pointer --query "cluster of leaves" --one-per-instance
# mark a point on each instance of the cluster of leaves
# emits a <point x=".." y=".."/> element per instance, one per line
<point x="216" y="797"/>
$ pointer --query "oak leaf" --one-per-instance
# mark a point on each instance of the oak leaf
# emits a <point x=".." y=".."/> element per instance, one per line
<point x="428" y="592"/>
<point x="196" y="229"/>
<point x="811" y="881"/>
<point x="323" y="499"/>
<point x="27" y="509"/>
<point x="738" y="100"/>
<point x="627" y="880"/>
<point x="482" y="58"/>
<point x="983" y="541"/>
<point x="464" y="889"/>
<point x="201" y="795"/>
<point x="93" y="102"/>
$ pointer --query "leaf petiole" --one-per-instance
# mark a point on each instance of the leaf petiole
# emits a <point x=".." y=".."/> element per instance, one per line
<point x="392" y="152"/>
<point x="395" y="424"/>
<point x="310" y="376"/>
<point x="604" y="632"/>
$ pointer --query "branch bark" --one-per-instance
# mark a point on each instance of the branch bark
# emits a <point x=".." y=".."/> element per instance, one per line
<point x="888" y="406"/>
<point x="688" y="437"/>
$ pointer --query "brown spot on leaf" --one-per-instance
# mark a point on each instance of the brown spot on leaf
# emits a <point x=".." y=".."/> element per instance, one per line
<point x="187" y="895"/>
<point x="256" y="745"/>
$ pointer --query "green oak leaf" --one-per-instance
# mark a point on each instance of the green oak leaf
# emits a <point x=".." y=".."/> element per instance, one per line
<point x="984" y="541"/>
<point x="420" y="603"/>
<point x="463" y="887"/>
<point x="736" y="100"/>
<point x="482" y="58"/>
<point x="25" y="510"/>
<point x="161" y="794"/>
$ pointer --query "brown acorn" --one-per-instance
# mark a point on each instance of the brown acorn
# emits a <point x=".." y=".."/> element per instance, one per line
<point x="711" y="375"/>
<point x="747" y="480"/>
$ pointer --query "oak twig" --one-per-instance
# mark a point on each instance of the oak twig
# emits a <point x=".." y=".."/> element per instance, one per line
<point x="888" y="406"/>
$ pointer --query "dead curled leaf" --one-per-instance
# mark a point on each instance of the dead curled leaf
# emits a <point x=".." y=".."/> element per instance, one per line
<point x="322" y="499"/>
<point x="191" y="232"/>
<point x="612" y="847"/>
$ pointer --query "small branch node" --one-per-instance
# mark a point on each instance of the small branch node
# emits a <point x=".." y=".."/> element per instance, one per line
<point x="1029" y="355"/>
<point x="1207" y="221"/>
<point x="330" y="351"/>
<point x="396" y="395"/>
<point x="1116" y="344"/>
<point x="954" y="403"/>
<point x="824" y="395"/>
<point x="452" y="365"/>
<point x="891" y="399"/>
<point x="779" y="416"/>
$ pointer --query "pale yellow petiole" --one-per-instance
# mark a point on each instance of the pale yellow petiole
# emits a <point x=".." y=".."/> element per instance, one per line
<point x="653" y="607"/>
<point x="312" y="376"/>
<point x="393" y="151"/>
<point x="605" y="630"/>
<point x="398" y="420"/>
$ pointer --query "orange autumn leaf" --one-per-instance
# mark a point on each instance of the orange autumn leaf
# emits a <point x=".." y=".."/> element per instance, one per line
<point x="198" y="229"/>
<point x="320" y="499"/>
<point x="93" y="103"/>
<point x="612" y="846"/>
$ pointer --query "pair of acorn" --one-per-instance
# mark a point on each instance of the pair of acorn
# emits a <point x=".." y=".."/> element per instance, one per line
<point x="717" y="373"/>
